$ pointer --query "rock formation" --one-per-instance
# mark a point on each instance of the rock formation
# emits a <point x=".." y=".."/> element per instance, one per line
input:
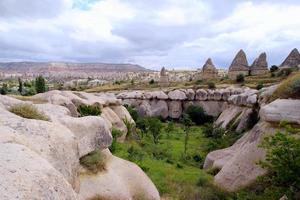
<point x="293" y="59"/>
<point x="164" y="78"/>
<point x="209" y="71"/>
<point x="239" y="65"/>
<point x="40" y="159"/>
<point x="260" y="65"/>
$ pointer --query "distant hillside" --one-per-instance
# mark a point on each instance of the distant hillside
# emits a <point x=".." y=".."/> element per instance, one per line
<point x="46" y="67"/>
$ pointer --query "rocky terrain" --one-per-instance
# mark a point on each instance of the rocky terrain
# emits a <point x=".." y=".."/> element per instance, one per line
<point x="40" y="159"/>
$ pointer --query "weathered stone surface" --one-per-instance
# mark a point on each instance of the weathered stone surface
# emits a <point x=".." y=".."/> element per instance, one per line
<point x="281" y="110"/>
<point x="260" y="65"/>
<point x="159" y="108"/>
<point x="266" y="93"/>
<point x="201" y="95"/>
<point x="123" y="113"/>
<point x="26" y="175"/>
<point x="164" y="78"/>
<point x="229" y="114"/>
<point x="120" y="180"/>
<point x="213" y="108"/>
<point x="175" y="109"/>
<point x="209" y="70"/>
<point x="177" y="95"/>
<point x="238" y="163"/>
<point x="239" y="65"/>
<point x="156" y="95"/>
<point x="131" y="95"/>
<point x="293" y="59"/>
<point x="190" y="94"/>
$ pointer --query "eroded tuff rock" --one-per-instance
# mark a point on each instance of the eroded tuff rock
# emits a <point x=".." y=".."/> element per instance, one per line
<point x="260" y="65"/>
<point x="40" y="159"/>
<point x="124" y="178"/>
<point x="281" y="110"/>
<point x="239" y="65"/>
<point x="292" y="60"/>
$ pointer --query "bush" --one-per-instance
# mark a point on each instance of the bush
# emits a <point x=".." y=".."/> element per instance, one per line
<point x="198" y="82"/>
<point x="285" y="72"/>
<point x="283" y="160"/>
<point x="115" y="134"/>
<point x="211" y="85"/>
<point x="88" y="110"/>
<point x="274" y="68"/>
<point x="93" y="161"/>
<point x="132" y="111"/>
<point x="40" y="84"/>
<point x="28" y="111"/>
<point x="135" y="153"/>
<point x="210" y="131"/>
<point x="289" y="88"/>
<point x="198" y="115"/>
<point x="154" y="127"/>
<point x="4" y="89"/>
<point x="151" y="82"/>
<point x="259" y="86"/>
<point x="240" y="78"/>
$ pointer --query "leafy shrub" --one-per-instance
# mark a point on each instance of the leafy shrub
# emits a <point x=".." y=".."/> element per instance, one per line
<point x="93" y="161"/>
<point x="4" y="89"/>
<point x="240" y="78"/>
<point x="115" y="134"/>
<point x="133" y="113"/>
<point x="129" y="126"/>
<point x="289" y="88"/>
<point x="28" y="111"/>
<point x="142" y="124"/>
<point x="151" y="82"/>
<point x="259" y="86"/>
<point x="154" y="127"/>
<point x="283" y="159"/>
<point x="88" y="110"/>
<point x="285" y="72"/>
<point x="211" y="85"/>
<point x="198" y="115"/>
<point x="135" y="153"/>
<point x="274" y="68"/>
<point x="40" y="84"/>
<point x="210" y="131"/>
<point x="198" y="82"/>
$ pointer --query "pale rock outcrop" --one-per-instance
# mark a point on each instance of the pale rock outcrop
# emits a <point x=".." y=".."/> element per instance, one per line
<point x="292" y="60"/>
<point x="156" y="95"/>
<point x="26" y="175"/>
<point x="260" y="65"/>
<point x="239" y="65"/>
<point x="175" y="109"/>
<point x="177" y="95"/>
<point x="123" y="113"/>
<point x="209" y="70"/>
<point x="120" y="180"/>
<point x="201" y="95"/>
<point x="190" y="94"/>
<point x="213" y="108"/>
<point x="218" y="95"/>
<point x="229" y="114"/>
<point x="131" y="95"/>
<point x="109" y="115"/>
<point x="159" y="108"/>
<point x="281" y="110"/>
<point x="238" y="163"/>
<point x="266" y="93"/>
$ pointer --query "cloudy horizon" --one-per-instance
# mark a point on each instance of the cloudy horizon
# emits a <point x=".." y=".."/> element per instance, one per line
<point x="172" y="33"/>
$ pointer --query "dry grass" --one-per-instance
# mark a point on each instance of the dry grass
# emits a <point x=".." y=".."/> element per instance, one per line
<point x="28" y="111"/>
<point x="289" y="88"/>
<point x="29" y="98"/>
<point x="93" y="161"/>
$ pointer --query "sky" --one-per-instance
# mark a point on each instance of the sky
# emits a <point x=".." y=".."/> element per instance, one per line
<point x="179" y="34"/>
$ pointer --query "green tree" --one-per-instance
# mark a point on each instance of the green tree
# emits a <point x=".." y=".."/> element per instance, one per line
<point x="198" y="115"/>
<point x="40" y="84"/>
<point x="4" y="89"/>
<point x="154" y="127"/>
<point x="187" y="122"/>
<point x="274" y="68"/>
<point x="211" y="85"/>
<point x="240" y="78"/>
<point x="283" y="159"/>
<point x="20" y="89"/>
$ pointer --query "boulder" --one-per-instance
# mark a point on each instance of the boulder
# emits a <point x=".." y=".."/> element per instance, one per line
<point x="177" y="95"/>
<point x="238" y="163"/>
<point x="260" y="65"/>
<point x="159" y="108"/>
<point x="213" y="108"/>
<point x="190" y="94"/>
<point x="26" y="175"/>
<point x="120" y="180"/>
<point x="201" y="95"/>
<point x="228" y="115"/>
<point x="123" y="113"/>
<point x="175" y="109"/>
<point x="281" y="110"/>
<point x="156" y="95"/>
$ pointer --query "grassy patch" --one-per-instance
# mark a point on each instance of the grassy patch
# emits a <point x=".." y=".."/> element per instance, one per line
<point x="28" y="111"/>
<point x="93" y="161"/>
<point x="289" y="88"/>
<point x="88" y="110"/>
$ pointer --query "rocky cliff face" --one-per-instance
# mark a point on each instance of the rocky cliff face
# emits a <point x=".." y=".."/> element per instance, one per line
<point x="239" y="65"/>
<point x="260" y="65"/>
<point x="292" y="60"/>
<point x="40" y="159"/>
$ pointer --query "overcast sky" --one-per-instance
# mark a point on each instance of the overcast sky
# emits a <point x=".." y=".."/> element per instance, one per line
<point x="152" y="33"/>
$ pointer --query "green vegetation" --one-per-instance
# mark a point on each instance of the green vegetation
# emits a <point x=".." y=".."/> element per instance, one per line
<point x="88" y="110"/>
<point x="274" y="68"/>
<point x="211" y="85"/>
<point x="132" y="111"/>
<point x="240" y="78"/>
<point x="93" y="161"/>
<point x="260" y="85"/>
<point x="151" y="82"/>
<point x="28" y="111"/>
<point x="115" y="134"/>
<point x="198" y="115"/>
<point x="289" y="88"/>
<point x="40" y="84"/>
<point x="4" y="89"/>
